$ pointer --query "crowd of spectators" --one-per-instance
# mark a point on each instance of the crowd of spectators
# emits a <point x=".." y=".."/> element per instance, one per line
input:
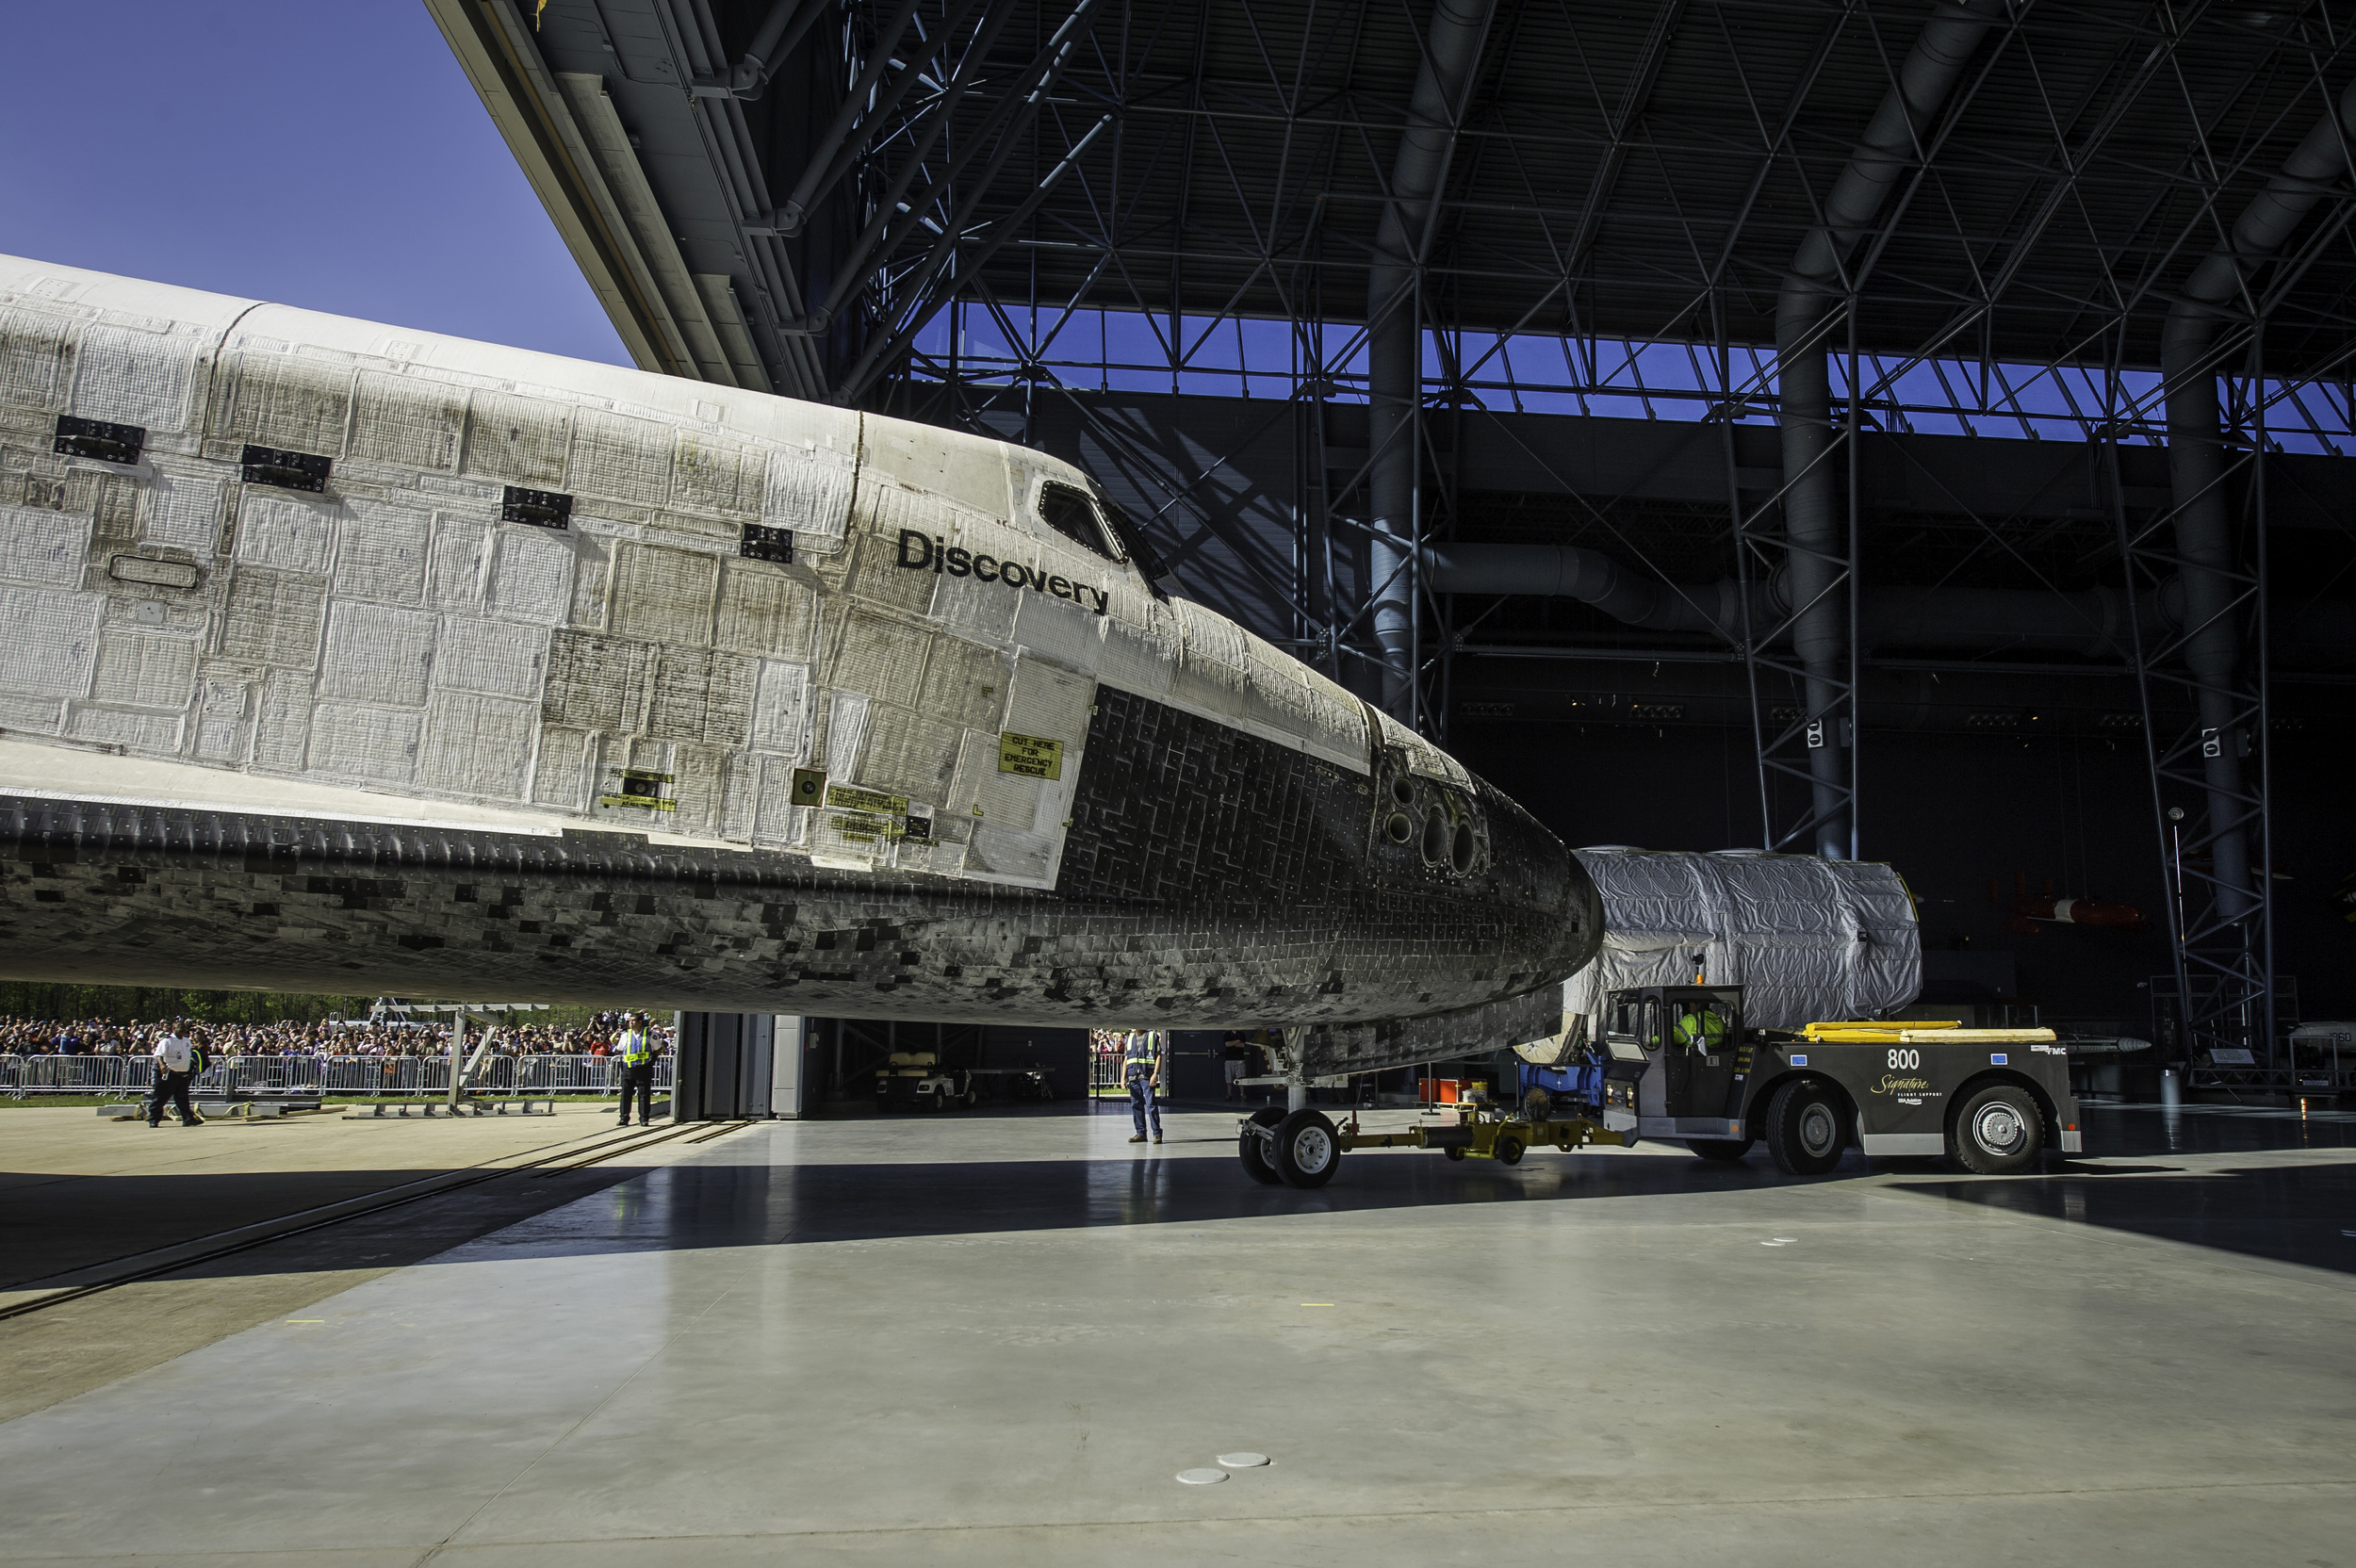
<point x="384" y="1036"/>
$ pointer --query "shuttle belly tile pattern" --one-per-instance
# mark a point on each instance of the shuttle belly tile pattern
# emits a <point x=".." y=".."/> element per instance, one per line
<point x="747" y="696"/>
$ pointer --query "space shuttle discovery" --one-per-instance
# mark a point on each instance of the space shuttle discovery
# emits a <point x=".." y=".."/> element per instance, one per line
<point x="347" y="657"/>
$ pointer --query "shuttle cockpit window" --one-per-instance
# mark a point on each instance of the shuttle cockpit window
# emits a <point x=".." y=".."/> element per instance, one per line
<point x="1070" y="513"/>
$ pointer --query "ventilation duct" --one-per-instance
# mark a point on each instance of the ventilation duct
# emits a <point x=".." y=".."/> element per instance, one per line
<point x="1811" y="522"/>
<point x="2196" y="462"/>
<point x="1394" y="369"/>
<point x="1980" y="620"/>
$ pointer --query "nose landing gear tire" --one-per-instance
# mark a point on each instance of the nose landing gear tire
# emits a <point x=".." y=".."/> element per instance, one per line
<point x="1253" y="1150"/>
<point x="1308" y="1151"/>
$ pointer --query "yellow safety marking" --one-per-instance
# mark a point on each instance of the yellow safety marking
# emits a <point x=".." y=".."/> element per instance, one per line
<point x="1030" y="756"/>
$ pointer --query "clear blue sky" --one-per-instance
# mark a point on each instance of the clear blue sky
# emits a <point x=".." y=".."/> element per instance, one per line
<point x="324" y="154"/>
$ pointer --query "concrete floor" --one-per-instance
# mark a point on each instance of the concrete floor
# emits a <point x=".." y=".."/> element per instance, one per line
<point x="995" y="1341"/>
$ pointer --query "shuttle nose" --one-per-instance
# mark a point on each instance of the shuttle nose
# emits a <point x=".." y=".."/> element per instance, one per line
<point x="1557" y="911"/>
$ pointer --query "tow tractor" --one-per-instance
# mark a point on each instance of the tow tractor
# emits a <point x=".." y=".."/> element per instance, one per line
<point x="1676" y="1063"/>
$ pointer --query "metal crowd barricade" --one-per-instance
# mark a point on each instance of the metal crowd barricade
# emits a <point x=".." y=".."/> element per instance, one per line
<point x="305" y="1072"/>
<point x="124" y="1076"/>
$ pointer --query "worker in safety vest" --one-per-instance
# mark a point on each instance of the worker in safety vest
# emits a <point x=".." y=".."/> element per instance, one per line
<point x="1141" y="1064"/>
<point x="636" y="1049"/>
<point x="1700" y="1028"/>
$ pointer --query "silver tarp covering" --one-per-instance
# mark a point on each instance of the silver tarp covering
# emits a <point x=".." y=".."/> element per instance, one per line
<point x="1807" y="939"/>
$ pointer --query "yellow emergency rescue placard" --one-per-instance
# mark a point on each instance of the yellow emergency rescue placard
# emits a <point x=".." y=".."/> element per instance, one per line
<point x="860" y="827"/>
<point x="1031" y="755"/>
<point x="852" y="798"/>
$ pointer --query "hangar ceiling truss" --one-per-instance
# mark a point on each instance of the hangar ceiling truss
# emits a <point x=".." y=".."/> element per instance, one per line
<point x="1816" y="228"/>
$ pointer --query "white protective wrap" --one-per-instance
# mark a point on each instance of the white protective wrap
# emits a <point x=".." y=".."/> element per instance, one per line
<point x="1807" y="938"/>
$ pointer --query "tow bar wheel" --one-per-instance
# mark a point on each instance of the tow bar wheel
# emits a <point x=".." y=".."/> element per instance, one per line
<point x="1308" y="1150"/>
<point x="1254" y="1146"/>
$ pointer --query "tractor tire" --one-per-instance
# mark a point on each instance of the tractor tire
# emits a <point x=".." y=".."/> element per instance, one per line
<point x="1724" y="1151"/>
<point x="1998" y="1132"/>
<point x="1805" y="1134"/>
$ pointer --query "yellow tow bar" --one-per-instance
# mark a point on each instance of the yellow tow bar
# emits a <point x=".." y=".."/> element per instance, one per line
<point x="1504" y="1139"/>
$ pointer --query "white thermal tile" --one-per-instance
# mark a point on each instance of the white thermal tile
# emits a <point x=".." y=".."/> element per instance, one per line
<point x="282" y="730"/>
<point x="808" y="491"/>
<point x="981" y="611"/>
<point x="560" y="774"/>
<point x="701" y="695"/>
<point x="846" y="727"/>
<point x="521" y="440"/>
<point x="135" y="378"/>
<point x="781" y="708"/>
<point x="1051" y="703"/>
<point x="620" y="458"/>
<point x="408" y="422"/>
<point x="532" y="576"/>
<point x="965" y="684"/>
<point x="763" y="610"/>
<point x="138" y="669"/>
<point x="908" y="754"/>
<point x="220" y="719"/>
<point x="880" y="658"/>
<point x="272" y="618"/>
<point x="53" y="642"/>
<point x="374" y="743"/>
<point x="276" y="529"/>
<point x="715" y="476"/>
<point x="876" y="576"/>
<point x="500" y="658"/>
<point x="378" y="653"/>
<point x="1058" y="630"/>
<point x="146" y="733"/>
<point x="1008" y="800"/>
<point x="285" y="401"/>
<point x="1208" y="636"/>
<point x="1139" y="657"/>
<point x="777" y="821"/>
<point x="456" y="564"/>
<point x="478" y="745"/>
<point x="699" y="779"/>
<point x="36" y="357"/>
<point x="381" y="553"/>
<point x="597" y="683"/>
<point x="588" y="606"/>
<point x="665" y="595"/>
<point x="183" y="514"/>
<point x="34" y="716"/>
<point x="41" y="545"/>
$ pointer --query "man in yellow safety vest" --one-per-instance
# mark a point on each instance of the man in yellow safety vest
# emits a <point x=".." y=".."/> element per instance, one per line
<point x="1701" y="1028"/>
<point x="636" y="1049"/>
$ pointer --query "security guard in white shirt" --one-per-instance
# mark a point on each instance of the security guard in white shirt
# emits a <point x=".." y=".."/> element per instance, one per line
<point x="175" y="1064"/>
<point x="636" y="1049"/>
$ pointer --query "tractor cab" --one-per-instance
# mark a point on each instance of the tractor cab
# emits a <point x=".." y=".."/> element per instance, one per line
<point x="1695" y="1058"/>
